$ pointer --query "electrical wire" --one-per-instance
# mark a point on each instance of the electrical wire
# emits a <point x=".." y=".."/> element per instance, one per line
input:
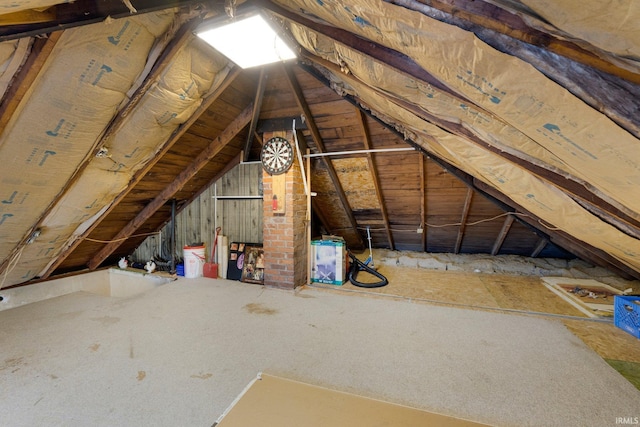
<point x="122" y="239"/>
<point x="11" y="265"/>
<point x="458" y="224"/>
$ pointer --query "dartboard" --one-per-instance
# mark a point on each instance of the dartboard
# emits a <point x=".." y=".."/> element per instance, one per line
<point x="277" y="155"/>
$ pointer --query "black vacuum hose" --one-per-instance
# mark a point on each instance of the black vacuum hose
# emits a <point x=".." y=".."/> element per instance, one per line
<point x="357" y="266"/>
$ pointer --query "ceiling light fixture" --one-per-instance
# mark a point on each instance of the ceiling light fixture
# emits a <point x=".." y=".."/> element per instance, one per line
<point x="247" y="39"/>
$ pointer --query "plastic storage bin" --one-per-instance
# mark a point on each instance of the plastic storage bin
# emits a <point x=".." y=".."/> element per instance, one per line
<point x="626" y="314"/>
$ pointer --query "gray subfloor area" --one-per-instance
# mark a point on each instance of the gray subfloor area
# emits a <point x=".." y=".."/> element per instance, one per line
<point x="178" y="355"/>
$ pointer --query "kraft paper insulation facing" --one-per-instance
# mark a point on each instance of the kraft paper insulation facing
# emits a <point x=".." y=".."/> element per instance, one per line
<point x="521" y="112"/>
<point x="63" y="114"/>
<point x="20" y="5"/>
<point x="523" y="98"/>
<point x="539" y="197"/>
<point x="167" y="104"/>
<point x="438" y="103"/>
<point x="12" y="56"/>
<point x="612" y="25"/>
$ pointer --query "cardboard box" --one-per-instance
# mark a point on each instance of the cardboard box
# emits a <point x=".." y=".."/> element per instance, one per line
<point x="328" y="261"/>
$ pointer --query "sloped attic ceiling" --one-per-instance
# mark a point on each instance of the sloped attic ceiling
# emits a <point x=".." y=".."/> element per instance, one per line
<point x="525" y="112"/>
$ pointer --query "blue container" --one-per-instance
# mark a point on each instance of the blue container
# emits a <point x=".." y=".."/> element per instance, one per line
<point x="626" y="314"/>
<point x="180" y="269"/>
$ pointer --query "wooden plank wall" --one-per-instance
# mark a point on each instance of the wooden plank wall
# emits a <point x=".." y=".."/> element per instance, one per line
<point x="240" y="219"/>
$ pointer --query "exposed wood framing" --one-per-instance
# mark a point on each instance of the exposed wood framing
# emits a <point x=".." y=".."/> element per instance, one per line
<point x="494" y="18"/>
<point x="508" y="221"/>
<point x="562" y="239"/>
<point x="40" y="51"/>
<point x="183" y="204"/>
<point x="362" y="121"/>
<point x="227" y="168"/>
<point x="257" y="104"/>
<point x="270" y="125"/>
<point x="463" y="220"/>
<point x="590" y="75"/>
<point x="183" y="36"/>
<point x="542" y="243"/>
<point x="423" y="201"/>
<point x="611" y="213"/>
<point x="206" y="103"/>
<point x="374" y="50"/>
<point x="84" y="12"/>
<point x="317" y="139"/>
<point x="499" y="199"/>
<point x="199" y="162"/>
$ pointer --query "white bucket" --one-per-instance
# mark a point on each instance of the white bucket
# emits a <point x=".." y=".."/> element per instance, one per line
<point x="193" y="261"/>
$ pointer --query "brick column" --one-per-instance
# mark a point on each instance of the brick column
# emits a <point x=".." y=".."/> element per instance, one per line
<point x="284" y="242"/>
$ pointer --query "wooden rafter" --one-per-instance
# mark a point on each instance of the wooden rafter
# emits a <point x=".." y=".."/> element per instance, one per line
<point x="85" y="12"/>
<point x="463" y="220"/>
<point x="381" y="53"/>
<point x="183" y="36"/>
<point x="40" y="51"/>
<point x="317" y="139"/>
<point x="423" y="201"/>
<point x="227" y="168"/>
<point x="542" y="243"/>
<point x="508" y="221"/>
<point x="611" y="213"/>
<point x="366" y="137"/>
<point x="492" y="17"/>
<point x="219" y="143"/>
<point x="257" y="104"/>
<point x="233" y="74"/>
<point x="561" y="239"/>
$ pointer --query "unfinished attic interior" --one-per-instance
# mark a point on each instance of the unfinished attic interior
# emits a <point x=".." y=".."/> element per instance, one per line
<point x="443" y="138"/>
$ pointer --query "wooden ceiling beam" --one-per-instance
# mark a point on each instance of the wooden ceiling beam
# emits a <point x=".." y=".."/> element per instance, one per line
<point x="317" y="139"/>
<point x="257" y="105"/>
<point x="508" y="221"/>
<point x="499" y="199"/>
<point x="381" y="53"/>
<point x="29" y="72"/>
<point x="463" y="221"/>
<point x="183" y="204"/>
<point x="423" y="201"/>
<point x="563" y="239"/>
<point x="206" y="103"/>
<point x="85" y="12"/>
<point x="591" y="76"/>
<point x="614" y="214"/>
<point x="542" y="243"/>
<point x="495" y="18"/>
<point x="219" y="143"/>
<point x="375" y="176"/>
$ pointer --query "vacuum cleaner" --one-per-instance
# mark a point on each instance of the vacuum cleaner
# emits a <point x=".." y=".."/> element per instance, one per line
<point x="367" y="266"/>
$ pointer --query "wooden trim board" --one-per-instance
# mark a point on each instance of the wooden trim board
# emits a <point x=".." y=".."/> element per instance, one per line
<point x="270" y="401"/>
<point x="595" y="307"/>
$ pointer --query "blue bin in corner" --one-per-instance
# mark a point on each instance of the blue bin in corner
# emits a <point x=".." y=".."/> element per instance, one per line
<point x="626" y="314"/>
